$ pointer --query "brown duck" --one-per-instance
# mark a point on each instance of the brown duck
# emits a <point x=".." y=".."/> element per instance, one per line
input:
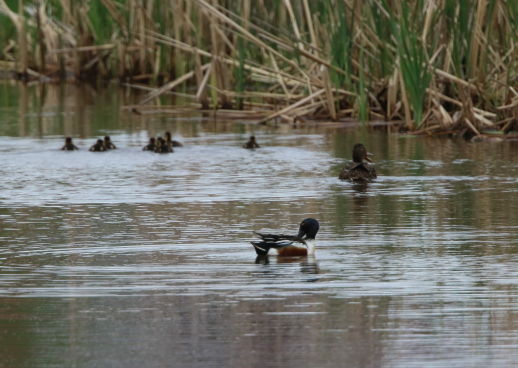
<point x="98" y="147"/>
<point x="162" y="146"/>
<point x="170" y="142"/>
<point x="151" y="145"/>
<point x="108" y="143"/>
<point x="359" y="170"/>
<point x="69" y="146"/>
<point x="251" y="144"/>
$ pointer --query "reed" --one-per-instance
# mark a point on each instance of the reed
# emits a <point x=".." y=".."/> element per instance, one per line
<point x="240" y="73"/>
<point x="413" y="56"/>
<point x="341" y="45"/>
<point x="426" y="63"/>
<point x="362" y="99"/>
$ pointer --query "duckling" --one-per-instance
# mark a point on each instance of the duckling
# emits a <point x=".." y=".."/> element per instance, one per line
<point x="252" y="143"/>
<point x="98" y="147"/>
<point x="108" y="143"/>
<point x="302" y="244"/>
<point x="69" y="146"/>
<point x="162" y="146"/>
<point x="151" y="146"/>
<point x="358" y="170"/>
<point x="170" y="142"/>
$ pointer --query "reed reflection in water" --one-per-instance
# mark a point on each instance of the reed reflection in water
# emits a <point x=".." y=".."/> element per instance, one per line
<point x="133" y="259"/>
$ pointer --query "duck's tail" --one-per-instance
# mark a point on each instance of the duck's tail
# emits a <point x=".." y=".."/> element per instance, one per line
<point x="261" y="248"/>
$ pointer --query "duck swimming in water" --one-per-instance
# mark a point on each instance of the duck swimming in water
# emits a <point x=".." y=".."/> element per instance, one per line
<point x="151" y="145"/>
<point x="69" y="146"/>
<point x="170" y="142"/>
<point x="302" y="244"/>
<point x="162" y="146"/>
<point x="252" y="143"/>
<point x="358" y="170"/>
<point x="108" y="143"/>
<point x="98" y="147"/>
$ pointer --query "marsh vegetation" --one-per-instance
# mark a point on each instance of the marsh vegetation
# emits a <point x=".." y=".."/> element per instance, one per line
<point x="435" y="66"/>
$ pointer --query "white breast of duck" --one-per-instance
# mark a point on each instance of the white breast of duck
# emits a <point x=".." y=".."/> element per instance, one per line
<point x="311" y="246"/>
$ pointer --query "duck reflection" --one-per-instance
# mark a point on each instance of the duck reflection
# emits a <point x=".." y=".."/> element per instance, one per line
<point x="308" y="264"/>
<point x="360" y="200"/>
<point x="360" y="188"/>
<point x="262" y="259"/>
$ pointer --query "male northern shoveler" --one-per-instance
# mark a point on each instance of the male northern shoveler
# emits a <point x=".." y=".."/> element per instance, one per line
<point x="302" y="244"/>
<point x="170" y="142"/>
<point x="98" y="147"/>
<point x="108" y="143"/>
<point x="358" y="170"/>
<point x="151" y="145"/>
<point x="252" y="143"/>
<point x="69" y="146"/>
<point x="162" y="146"/>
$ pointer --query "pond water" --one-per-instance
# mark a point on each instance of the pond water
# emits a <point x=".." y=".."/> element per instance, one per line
<point x="134" y="259"/>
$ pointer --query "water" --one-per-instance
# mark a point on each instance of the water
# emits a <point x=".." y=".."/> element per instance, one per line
<point x="133" y="259"/>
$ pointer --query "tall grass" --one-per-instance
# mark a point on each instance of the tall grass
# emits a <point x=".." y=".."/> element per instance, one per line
<point x="362" y="98"/>
<point x="413" y="55"/>
<point x="438" y="47"/>
<point x="382" y="26"/>
<point x="239" y="72"/>
<point x="341" y="42"/>
<point x="460" y="30"/>
<point x="512" y="11"/>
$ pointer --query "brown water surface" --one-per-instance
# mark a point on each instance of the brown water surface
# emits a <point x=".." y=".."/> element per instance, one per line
<point x="134" y="259"/>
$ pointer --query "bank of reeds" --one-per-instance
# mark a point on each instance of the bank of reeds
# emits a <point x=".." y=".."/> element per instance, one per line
<point x="437" y="66"/>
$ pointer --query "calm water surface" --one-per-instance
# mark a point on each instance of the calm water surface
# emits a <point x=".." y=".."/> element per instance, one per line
<point x="132" y="259"/>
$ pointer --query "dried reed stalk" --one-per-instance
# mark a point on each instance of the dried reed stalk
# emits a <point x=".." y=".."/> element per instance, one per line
<point x="156" y="93"/>
<point x="201" y="81"/>
<point x="287" y="109"/>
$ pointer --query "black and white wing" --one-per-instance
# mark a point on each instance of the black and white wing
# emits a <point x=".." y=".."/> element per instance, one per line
<point x="275" y="241"/>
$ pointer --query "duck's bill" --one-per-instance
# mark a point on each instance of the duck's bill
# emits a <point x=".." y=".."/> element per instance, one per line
<point x="301" y="234"/>
<point x="367" y="157"/>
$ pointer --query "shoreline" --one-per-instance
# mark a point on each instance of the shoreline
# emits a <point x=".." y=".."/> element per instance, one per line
<point x="256" y="113"/>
